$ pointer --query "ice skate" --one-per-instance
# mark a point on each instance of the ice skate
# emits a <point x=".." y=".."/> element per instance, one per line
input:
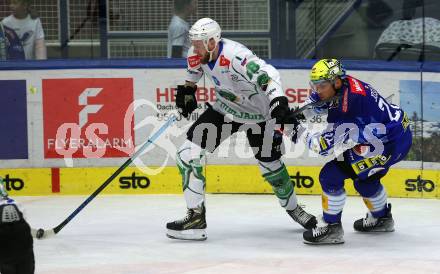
<point x="324" y="233"/>
<point x="299" y="215"/>
<point x="192" y="227"/>
<point x="372" y="224"/>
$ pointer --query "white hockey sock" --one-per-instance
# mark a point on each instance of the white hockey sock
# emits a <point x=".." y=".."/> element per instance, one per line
<point x="190" y="167"/>
<point x="194" y="193"/>
<point x="377" y="203"/>
<point x="332" y="205"/>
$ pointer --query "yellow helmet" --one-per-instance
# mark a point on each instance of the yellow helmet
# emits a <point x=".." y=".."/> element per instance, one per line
<point x="326" y="70"/>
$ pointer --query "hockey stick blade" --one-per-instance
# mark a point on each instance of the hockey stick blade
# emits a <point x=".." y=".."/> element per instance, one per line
<point x="42" y="234"/>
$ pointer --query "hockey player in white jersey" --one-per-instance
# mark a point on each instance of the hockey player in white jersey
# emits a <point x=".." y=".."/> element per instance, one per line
<point x="249" y="94"/>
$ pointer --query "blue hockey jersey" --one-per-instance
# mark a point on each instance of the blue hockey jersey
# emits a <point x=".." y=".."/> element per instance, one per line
<point x="360" y="115"/>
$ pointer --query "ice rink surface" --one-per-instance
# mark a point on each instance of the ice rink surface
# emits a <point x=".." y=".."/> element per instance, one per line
<point x="246" y="234"/>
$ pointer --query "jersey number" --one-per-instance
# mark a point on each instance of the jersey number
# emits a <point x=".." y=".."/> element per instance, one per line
<point x="383" y="104"/>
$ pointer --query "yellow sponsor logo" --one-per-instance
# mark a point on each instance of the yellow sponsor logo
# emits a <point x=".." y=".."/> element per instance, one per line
<point x="219" y="179"/>
<point x="323" y="143"/>
<point x="27" y="181"/>
<point x="367" y="163"/>
<point x="76" y="181"/>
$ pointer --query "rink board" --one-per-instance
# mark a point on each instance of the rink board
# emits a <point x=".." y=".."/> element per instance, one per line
<point x="220" y="179"/>
<point x="49" y="100"/>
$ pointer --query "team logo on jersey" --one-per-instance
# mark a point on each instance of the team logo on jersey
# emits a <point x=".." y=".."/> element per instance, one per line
<point x="224" y="62"/>
<point x="369" y="164"/>
<point x="356" y="86"/>
<point x="193" y="61"/>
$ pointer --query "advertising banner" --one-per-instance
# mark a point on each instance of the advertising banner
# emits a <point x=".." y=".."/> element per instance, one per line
<point x="96" y="117"/>
<point x="13" y="120"/>
<point x="27" y="181"/>
<point x="89" y="110"/>
<point x="404" y="183"/>
<point x="424" y="112"/>
<point x="84" y="117"/>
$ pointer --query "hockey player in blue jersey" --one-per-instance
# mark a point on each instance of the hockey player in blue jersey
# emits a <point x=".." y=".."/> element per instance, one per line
<point x="371" y="135"/>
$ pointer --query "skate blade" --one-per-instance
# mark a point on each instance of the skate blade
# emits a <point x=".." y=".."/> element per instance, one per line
<point x="386" y="228"/>
<point x="326" y="242"/>
<point x="189" y="235"/>
<point x="377" y="230"/>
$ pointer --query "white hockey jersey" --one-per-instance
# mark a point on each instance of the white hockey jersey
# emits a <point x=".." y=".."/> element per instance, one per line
<point x="238" y="75"/>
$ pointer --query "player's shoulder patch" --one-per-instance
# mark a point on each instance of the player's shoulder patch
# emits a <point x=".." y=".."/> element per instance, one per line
<point x="224" y="62"/>
<point x="193" y="61"/>
<point x="356" y="86"/>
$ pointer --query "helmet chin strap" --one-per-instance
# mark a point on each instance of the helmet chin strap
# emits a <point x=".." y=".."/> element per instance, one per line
<point x="210" y="55"/>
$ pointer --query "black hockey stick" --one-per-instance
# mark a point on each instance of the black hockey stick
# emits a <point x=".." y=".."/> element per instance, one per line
<point x="40" y="233"/>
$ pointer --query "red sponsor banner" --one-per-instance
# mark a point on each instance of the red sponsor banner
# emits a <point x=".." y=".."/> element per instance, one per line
<point x="297" y="95"/>
<point x="84" y="118"/>
<point x="166" y="95"/>
<point x="207" y="94"/>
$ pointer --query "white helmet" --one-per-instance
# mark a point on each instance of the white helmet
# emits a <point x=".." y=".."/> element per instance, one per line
<point x="205" y="29"/>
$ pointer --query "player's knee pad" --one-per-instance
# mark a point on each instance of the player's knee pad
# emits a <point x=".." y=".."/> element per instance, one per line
<point x="333" y="204"/>
<point x="332" y="177"/>
<point x="367" y="188"/>
<point x="189" y="160"/>
<point x="375" y="201"/>
<point x="275" y="173"/>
